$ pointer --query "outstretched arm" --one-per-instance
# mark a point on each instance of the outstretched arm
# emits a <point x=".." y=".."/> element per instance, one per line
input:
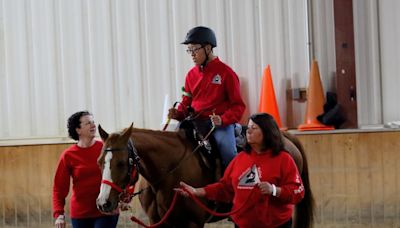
<point x="185" y="188"/>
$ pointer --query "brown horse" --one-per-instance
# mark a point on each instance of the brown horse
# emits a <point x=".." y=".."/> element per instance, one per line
<point x="164" y="159"/>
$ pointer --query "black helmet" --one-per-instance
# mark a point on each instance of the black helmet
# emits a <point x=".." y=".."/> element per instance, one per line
<point x="201" y="35"/>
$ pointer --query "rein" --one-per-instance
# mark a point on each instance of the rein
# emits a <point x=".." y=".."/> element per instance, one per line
<point x="184" y="158"/>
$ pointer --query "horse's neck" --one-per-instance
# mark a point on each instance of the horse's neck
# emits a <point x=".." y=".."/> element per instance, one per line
<point x="292" y="149"/>
<point x="159" y="152"/>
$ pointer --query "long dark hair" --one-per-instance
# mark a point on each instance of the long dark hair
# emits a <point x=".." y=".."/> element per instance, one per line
<point x="272" y="137"/>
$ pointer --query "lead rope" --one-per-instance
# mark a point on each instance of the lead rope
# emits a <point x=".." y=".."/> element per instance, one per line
<point x="134" y="219"/>
<point x="214" y="213"/>
<point x="198" y="202"/>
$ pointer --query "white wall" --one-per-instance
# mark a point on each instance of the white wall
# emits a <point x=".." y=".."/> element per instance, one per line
<point x="368" y="65"/>
<point x="389" y="24"/>
<point x="120" y="58"/>
<point x="377" y="33"/>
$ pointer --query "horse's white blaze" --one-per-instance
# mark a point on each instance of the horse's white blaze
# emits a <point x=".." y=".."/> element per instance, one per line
<point x="105" y="188"/>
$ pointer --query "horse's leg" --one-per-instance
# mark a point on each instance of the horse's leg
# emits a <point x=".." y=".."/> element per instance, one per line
<point x="193" y="225"/>
<point x="148" y="201"/>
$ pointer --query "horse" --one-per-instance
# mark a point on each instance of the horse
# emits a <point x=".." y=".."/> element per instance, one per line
<point x="164" y="159"/>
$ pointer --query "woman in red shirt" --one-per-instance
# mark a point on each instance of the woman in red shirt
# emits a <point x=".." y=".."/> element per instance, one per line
<point x="263" y="179"/>
<point x="79" y="163"/>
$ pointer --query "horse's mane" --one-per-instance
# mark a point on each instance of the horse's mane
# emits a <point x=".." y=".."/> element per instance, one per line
<point x="170" y="134"/>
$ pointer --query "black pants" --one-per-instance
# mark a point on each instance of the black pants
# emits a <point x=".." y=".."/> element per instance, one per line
<point x="108" y="221"/>
<point x="287" y="224"/>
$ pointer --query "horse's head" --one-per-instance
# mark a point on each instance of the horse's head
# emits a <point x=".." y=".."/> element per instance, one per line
<point x="117" y="163"/>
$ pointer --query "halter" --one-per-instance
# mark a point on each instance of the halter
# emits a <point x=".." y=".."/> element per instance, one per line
<point x="127" y="193"/>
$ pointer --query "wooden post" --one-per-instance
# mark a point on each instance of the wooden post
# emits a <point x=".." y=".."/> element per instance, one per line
<point x="345" y="61"/>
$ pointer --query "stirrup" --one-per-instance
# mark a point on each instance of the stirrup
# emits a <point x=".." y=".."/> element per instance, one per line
<point x="206" y="143"/>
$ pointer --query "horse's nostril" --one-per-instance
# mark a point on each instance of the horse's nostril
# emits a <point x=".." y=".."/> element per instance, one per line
<point x="105" y="207"/>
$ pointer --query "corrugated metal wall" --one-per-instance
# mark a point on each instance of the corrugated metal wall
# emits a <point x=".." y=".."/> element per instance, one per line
<point x="389" y="24"/>
<point x="119" y="59"/>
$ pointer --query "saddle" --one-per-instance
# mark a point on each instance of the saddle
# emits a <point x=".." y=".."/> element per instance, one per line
<point x="198" y="131"/>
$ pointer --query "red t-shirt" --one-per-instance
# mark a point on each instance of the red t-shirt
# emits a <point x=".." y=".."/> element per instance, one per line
<point x="237" y="186"/>
<point x="215" y="88"/>
<point x="80" y="165"/>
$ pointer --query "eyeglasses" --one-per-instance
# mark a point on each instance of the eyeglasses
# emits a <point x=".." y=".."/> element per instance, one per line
<point x="90" y="122"/>
<point x="193" y="51"/>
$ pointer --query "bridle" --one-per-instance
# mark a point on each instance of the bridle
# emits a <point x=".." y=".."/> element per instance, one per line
<point x="127" y="192"/>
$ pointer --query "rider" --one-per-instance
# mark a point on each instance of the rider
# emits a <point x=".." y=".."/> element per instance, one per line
<point x="212" y="89"/>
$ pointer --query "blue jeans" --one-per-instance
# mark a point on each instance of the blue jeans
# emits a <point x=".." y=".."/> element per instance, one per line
<point x="99" y="222"/>
<point x="226" y="143"/>
<point x="224" y="137"/>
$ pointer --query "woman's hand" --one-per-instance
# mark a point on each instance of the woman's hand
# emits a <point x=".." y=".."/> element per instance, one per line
<point x="265" y="188"/>
<point x="185" y="188"/>
<point x="124" y="206"/>
<point x="60" y="222"/>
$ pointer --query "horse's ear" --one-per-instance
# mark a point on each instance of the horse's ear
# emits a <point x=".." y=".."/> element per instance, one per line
<point x="103" y="133"/>
<point x="127" y="132"/>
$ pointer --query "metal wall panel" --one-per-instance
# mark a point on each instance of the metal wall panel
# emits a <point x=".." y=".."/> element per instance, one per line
<point x="119" y="59"/>
<point x="368" y="74"/>
<point x="389" y="21"/>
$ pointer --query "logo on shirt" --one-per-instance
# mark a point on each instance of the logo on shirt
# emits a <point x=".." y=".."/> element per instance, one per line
<point x="250" y="178"/>
<point x="217" y="79"/>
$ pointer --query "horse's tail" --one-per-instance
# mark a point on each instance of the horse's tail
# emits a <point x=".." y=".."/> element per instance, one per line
<point x="304" y="216"/>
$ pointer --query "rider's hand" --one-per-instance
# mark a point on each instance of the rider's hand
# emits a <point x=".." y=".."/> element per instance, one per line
<point x="216" y="120"/>
<point x="173" y="113"/>
<point x="60" y="222"/>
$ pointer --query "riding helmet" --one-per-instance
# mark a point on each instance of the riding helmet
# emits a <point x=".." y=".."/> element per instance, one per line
<point x="201" y="35"/>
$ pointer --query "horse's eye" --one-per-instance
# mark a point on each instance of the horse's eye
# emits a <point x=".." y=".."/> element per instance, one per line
<point x="121" y="164"/>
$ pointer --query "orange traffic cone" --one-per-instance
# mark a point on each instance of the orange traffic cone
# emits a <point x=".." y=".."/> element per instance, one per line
<point x="267" y="97"/>
<point x="315" y="102"/>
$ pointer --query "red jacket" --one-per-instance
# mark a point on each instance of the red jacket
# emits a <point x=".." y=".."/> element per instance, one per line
<point x="237" y="186"/>
<point x="216" y="87"/>
<point x="80" y="164"/>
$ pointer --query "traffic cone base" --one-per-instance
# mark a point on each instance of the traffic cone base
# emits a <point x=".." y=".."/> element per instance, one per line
<point x="314" y="127"/>
<point x="315" y="103"/>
